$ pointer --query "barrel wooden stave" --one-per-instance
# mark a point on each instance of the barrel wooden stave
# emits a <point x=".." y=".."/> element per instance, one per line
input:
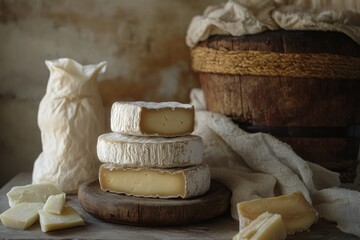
<point x="290" y="101"/>
<point x="280" y="101"/>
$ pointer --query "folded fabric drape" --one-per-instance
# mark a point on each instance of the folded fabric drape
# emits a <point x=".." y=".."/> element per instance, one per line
<point x="258" y="165"/>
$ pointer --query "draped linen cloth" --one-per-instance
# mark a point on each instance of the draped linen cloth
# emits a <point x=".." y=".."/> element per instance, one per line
<point x="259" y="165"/>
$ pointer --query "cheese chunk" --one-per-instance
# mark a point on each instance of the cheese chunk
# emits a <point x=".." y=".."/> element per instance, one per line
<point x="297" y="213"/>
<point x="152" y="119"/>
<point x="158" y="152"/>
<point x="267" y="226"/>
<point x="55" y="203"/>
<point x="67" y="219"/>
<point x="152" y="182"/>
<point x="31" y="193"/>
<point x="22" y="215"/>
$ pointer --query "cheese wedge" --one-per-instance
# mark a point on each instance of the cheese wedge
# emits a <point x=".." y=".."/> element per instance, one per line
<point x="31" y="193"/>
<point x="167" y="119"/>
<point x="21" y="216"/>
<point x="55" y="203"/>
<point x="67" y="219"/>
<point x="158" y="152"/>
<point x="152" y="182"/>
<point x="267" y="226"/>
<point x="297" y="213"/>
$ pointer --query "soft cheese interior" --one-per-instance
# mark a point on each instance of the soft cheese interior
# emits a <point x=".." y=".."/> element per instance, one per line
<point x="67" y="219"/>
<point x="31" y="193"/>
<point x="55" y="203"/>
<point x="22" y="215"/>
<point x="152" y="182"/>
<point x="167" y="121"/>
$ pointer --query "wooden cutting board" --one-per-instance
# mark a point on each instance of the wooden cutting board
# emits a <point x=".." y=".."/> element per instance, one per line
<point x="141" y="211"/>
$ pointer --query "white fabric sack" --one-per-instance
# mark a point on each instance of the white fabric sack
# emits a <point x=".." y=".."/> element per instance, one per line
<point x="241" y="17"/>
<point x="70" y="118"/>
<point x="259" y="165"/>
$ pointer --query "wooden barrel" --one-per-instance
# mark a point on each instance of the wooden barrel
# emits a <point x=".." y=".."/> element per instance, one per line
<point x="300" y="86"/>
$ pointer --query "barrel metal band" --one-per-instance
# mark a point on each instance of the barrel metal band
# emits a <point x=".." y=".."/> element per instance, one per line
<point x="261" y="63"/>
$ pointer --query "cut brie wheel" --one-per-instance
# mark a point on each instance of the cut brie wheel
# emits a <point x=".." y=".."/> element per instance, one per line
<point x="167" y="119"/>
<point x="132" y="151"/>
<point x="151" y="182"/>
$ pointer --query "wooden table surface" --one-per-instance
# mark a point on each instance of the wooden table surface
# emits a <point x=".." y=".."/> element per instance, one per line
<point x="220" y="228"/>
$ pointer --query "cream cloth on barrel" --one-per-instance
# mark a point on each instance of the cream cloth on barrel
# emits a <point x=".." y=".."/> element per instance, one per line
<point x="242" y="17"/>
<point x="259" y="165"/>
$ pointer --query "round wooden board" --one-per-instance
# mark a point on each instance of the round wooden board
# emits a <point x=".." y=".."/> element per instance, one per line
<point x="141" y="211"/>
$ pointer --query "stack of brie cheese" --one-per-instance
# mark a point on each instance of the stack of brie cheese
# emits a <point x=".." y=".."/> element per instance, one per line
<point x="150" y="152"/>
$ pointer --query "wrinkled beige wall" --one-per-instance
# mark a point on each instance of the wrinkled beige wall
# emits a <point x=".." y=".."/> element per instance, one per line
<point x="142" y="40"/>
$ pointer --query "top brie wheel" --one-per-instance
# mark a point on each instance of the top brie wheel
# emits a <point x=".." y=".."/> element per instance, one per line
<point x="165" y="119"/>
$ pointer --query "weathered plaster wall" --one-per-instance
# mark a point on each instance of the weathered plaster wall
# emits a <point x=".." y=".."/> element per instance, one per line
<point x="142" y="40"/>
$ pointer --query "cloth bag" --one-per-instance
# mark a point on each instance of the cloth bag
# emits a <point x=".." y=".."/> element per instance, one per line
<point x="70" y="118"/>
<point x="259" y="165"/>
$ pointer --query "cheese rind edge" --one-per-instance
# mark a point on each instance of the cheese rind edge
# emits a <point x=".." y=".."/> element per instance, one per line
<point x="158" y="152"/>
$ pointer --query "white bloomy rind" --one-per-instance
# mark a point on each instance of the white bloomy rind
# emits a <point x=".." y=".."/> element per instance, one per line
<point x="132" y="151"/>
<point x="126" y="116"/>
<point x="197" y="181"/>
